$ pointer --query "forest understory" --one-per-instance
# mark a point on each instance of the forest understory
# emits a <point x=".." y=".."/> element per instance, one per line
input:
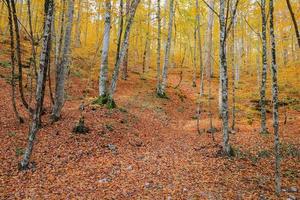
<point x="148" y="147"/>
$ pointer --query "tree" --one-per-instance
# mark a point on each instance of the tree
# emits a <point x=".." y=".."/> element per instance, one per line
<point x="125" y="61"/>
<point x="78" y="23"/>
<point x="19" y="56"/>
<point x="35" y="125"/>
<point x="123" y="50"/>
<point x="263" y="128"/>
<point x="275" y="100"/>
<point x="294" y="21"/>
<point x="62" y="66"/>
<point x="224" y="30"/>
<point x="162" y="86"/>
<point x="158" y="45"/>
<point x="105" y="50"/>
<point x="12" y="59"/>
<point x="209" y="42"/>
<point x="200" y="50"/>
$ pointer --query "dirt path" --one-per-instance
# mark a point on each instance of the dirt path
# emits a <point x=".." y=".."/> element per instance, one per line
<point x="147" y="149"/>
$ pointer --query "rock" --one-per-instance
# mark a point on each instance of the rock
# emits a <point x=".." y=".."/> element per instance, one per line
<point x="291" y="197"/>
<point x="148" y="185"/>
<point x="105" y="180"/>
<point x="112" y="148"/>
<point x="293" y="189"/>
<point x="129" y="168"/>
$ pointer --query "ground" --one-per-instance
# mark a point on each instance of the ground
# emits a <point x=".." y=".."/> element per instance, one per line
<point x="147" y="148"/>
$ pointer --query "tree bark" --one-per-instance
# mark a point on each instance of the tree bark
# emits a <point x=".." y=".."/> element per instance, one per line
<point x="200" y="50"/>
<point x="105" y="50"/>
<point x="61" y="68"/>
<point x="123" y="50"/>
<point x="125" y="61"/>
<point x="209" y="43"/>
<point x="77" y="27"/>
<point x="12" y="59"/>
<point x="158" y="51"/>
<point x="19" y="57"/>
<point x="163" y="84"/>
<point x="275" y="102"/>
<point x="224" y="79"/>
<point x="263" y="128"/>
<point x="40" y="86"/>
<point x="294" y="21"/>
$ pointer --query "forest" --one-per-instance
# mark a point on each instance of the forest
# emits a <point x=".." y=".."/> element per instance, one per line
<point x="150" y="99"/>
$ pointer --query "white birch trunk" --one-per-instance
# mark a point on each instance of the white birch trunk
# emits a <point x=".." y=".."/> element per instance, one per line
<point x="61" y="68"/>
<point x="105" y="50"/>
<point x="163" y="85"/>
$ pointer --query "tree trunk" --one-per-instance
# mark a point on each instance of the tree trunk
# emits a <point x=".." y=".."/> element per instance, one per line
<point x="61" y="68"/>
<point x="123" y="50"/>
<point x="40" y="86"/>
<point x="77" y="27"/>
<point x="263" y="128"/>
<point x="19" y="55"/>
<point x="12" y="55"/>
<point x="200" y="50"/>
<point x="294" y="21"/>
<point x="147" y="43"/>
<point x="163" y="84"/>
<point x="105" y="51"/>
<point x="158" y="45"/>
<point x="224" y="79"/>
<point x="195" y="58"/>
<point x="209" y="43"/>
<point x="275" y="102"/>
<point x="125" y="61"/>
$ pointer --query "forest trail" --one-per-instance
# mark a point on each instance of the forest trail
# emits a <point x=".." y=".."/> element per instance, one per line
<point x="147" y="148"/>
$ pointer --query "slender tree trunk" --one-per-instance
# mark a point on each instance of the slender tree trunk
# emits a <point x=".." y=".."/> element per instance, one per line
<point x="61" y="68"/>
<point x="195" y="58"/>
<point x="275" y="102"/>
<point x="233" y="63"/>
<point x="209" y="31"/>
<point x="19" y="59"/>
<point x="147" y="43"/>
<point x="124" y="47"/>
<point x="224" y="79"/>
<point x="61" y="34"/>
<point x="77" y="27"/>
<point x="125" y="61"/>
<point x="40" y="86"/>
<point x="12" y="59"/>
<point x="120" y="31"/>
<point x="200" y="50"/>
<point x="294" y="21"/>
<point x="158" y="46"/>
<point x="163" y="84"/>
<point x="263" y="128"/>
<point x="105" y="50"/>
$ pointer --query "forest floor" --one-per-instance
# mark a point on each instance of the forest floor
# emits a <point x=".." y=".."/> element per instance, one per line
<point x="147" y="148"/>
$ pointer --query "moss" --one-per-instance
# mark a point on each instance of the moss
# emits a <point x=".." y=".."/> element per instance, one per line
<point x="5" y="64"/>
<point x="264" y="133"/>
<point x="19" y="151"/>
<point x="111" y="104"/>
<point x="101" y="100"/>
